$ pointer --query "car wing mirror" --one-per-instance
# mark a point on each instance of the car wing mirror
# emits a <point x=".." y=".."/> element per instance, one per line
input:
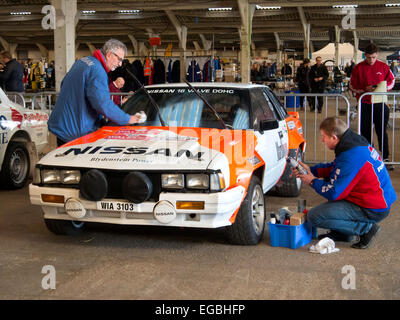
<point x="268" y="125"/>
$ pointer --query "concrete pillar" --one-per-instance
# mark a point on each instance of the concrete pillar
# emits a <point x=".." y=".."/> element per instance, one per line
<point x="337" y="42"/>
<point x="246" y="14"/>
<point x="278" y="49"/>
<point x="64" y="37"/>
<point x="355" y="53"/>
<point x="43" y="51"/>
<point x="307" y="40"/>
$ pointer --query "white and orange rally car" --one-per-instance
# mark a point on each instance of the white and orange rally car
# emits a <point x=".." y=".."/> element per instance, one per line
<point x="202" y="157"/>
<point x="23" y="136"/>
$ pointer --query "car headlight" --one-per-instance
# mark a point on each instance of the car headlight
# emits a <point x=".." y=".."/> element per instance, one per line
<point x="217" y="181"/>
<point x="70" y="176"/>
<point x="51" y="176"/>
<point x="197" y="181"/>
<point x="172" y="181"/>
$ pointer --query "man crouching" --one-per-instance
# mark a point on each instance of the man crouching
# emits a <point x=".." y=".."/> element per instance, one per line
<point x="356" y="184"/>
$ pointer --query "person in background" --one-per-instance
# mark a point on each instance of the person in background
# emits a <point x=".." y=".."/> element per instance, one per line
<point x="318" y="75"/>
<point x="356" y="184"/>
<point x="115" y="87"/>
<point x="303" y="80"/>
<point x="12" y="74"/>
<point x="84" y="97"/>
<point x="365" y="76"/>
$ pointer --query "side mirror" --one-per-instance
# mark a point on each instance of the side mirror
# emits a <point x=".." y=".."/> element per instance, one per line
<point x="268" y="125"/>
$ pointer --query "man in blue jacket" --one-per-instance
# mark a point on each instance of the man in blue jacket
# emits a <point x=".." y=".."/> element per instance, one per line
<point x="356" y="184"/>
<point x="85" y="97"/>
<point x="12" y="74"/>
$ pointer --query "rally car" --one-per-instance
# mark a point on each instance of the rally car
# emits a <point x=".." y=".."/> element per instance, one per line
<point x="23" y="136"/>
<point x="203" y="157"/>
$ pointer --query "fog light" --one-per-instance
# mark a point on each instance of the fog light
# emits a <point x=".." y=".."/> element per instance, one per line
<point x="190" y="205"/>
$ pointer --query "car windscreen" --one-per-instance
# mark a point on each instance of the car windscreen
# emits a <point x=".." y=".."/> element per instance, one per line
<point x="181" y="107"/>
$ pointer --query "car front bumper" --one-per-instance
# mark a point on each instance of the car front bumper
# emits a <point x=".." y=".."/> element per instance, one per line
<point x="218" y="208"/>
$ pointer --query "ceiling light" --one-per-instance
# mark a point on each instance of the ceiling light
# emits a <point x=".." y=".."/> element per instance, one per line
<point x="128" y="11"/>
<point x="392" y="4"/>
<point x="21" y="13"/>
<point x="220" y="9"/>
<point x="267" y="8"/>
<point x="88" y="11"/>
<point x="345" y="6"/>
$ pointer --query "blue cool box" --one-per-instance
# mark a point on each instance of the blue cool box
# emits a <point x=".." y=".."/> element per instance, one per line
<point x="293" y="237"/>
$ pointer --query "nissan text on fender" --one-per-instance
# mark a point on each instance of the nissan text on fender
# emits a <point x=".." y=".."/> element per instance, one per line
<point x="23" y="136"/>
<point x="203" y="157"/>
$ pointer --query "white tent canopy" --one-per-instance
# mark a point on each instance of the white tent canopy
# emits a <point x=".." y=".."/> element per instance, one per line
<point x="346" y="52"/>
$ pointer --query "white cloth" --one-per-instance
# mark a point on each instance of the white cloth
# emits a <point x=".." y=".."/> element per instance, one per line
<point x="324" y="246"/>
<point x="142" y="116"/>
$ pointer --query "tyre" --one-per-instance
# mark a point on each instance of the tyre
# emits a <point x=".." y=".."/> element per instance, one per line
<point x="64" y="227"/>
<point x="290" y="185"/>
<point x="16" y="165"/>
<point x="248" y="228"/>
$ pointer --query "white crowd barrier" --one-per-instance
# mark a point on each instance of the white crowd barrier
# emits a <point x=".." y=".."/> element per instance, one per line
<point x="334" y="104"/>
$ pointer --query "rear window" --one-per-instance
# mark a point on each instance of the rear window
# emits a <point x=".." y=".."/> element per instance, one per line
<point x="181" y="107"/>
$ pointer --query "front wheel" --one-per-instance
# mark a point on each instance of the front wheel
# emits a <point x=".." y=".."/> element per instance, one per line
<point x="248" y="228"/>
<point x="16" y="165"/>
<point x="64" y="227"/>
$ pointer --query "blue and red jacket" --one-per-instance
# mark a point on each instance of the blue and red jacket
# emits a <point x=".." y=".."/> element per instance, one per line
<point x="357" y="175"/>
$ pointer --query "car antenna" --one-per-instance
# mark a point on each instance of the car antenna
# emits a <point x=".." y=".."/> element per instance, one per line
<point x="148" y="95"/>
<point x="207" y="104"/>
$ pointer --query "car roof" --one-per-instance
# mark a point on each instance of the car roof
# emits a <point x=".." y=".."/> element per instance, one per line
<point x="231" y="85"/>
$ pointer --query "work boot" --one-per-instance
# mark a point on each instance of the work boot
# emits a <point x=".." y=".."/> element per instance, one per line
<point x="366" y="238"/>
<point x="336" y="236"/>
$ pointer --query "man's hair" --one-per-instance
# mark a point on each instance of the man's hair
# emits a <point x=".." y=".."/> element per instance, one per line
<point x="371" y="48"/>
<point x="333" y="126"/>
<point x="306" y="60"/>
<point x="6" y="54"/>
<point x="319" y="57"/>
<point x="113" y="45"/>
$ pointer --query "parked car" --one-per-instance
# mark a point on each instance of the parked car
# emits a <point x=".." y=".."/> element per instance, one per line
<point x="204" y="160"/>
<point x="23" y="135"/>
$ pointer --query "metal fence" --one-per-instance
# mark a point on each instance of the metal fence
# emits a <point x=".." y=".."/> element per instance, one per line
<point x="334" y="104"/>
<point x="44" y="100"/>
<point x="382" y="120"/>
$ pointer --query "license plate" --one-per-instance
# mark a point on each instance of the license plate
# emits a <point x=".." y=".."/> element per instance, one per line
<point x="116" y="206"/>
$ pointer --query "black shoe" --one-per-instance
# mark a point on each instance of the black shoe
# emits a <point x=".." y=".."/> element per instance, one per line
<point x="336" y="236"/>
<point x="389" y="167"/>
<point x="366" y="239"/>
<point x="319" y="111"/>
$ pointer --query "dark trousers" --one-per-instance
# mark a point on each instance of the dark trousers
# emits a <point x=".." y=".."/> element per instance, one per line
<point x="303" y="88"/>
<point x="320" y="100"/>
<point x="380" y="126"/>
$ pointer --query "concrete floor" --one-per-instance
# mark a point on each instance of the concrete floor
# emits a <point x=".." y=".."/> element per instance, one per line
<point x="124" y="262"/>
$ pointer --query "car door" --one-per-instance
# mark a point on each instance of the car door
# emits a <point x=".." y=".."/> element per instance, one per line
<point x="272" y="143"/>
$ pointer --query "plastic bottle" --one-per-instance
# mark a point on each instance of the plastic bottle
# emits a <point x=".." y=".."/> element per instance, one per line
<point x="273" y="218"/>
<point x="287" y="219"/>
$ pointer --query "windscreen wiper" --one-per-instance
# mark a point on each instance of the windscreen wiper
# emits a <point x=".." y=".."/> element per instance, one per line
<point x="148" y="95"/>
<point x="207" y="104"/>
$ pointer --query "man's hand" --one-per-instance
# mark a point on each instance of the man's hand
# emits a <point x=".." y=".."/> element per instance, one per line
<point x="316" y="79"/>
<point x="133" y="119"/>
<point x="306" y="178"/>
<point x="369" y="88"/>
